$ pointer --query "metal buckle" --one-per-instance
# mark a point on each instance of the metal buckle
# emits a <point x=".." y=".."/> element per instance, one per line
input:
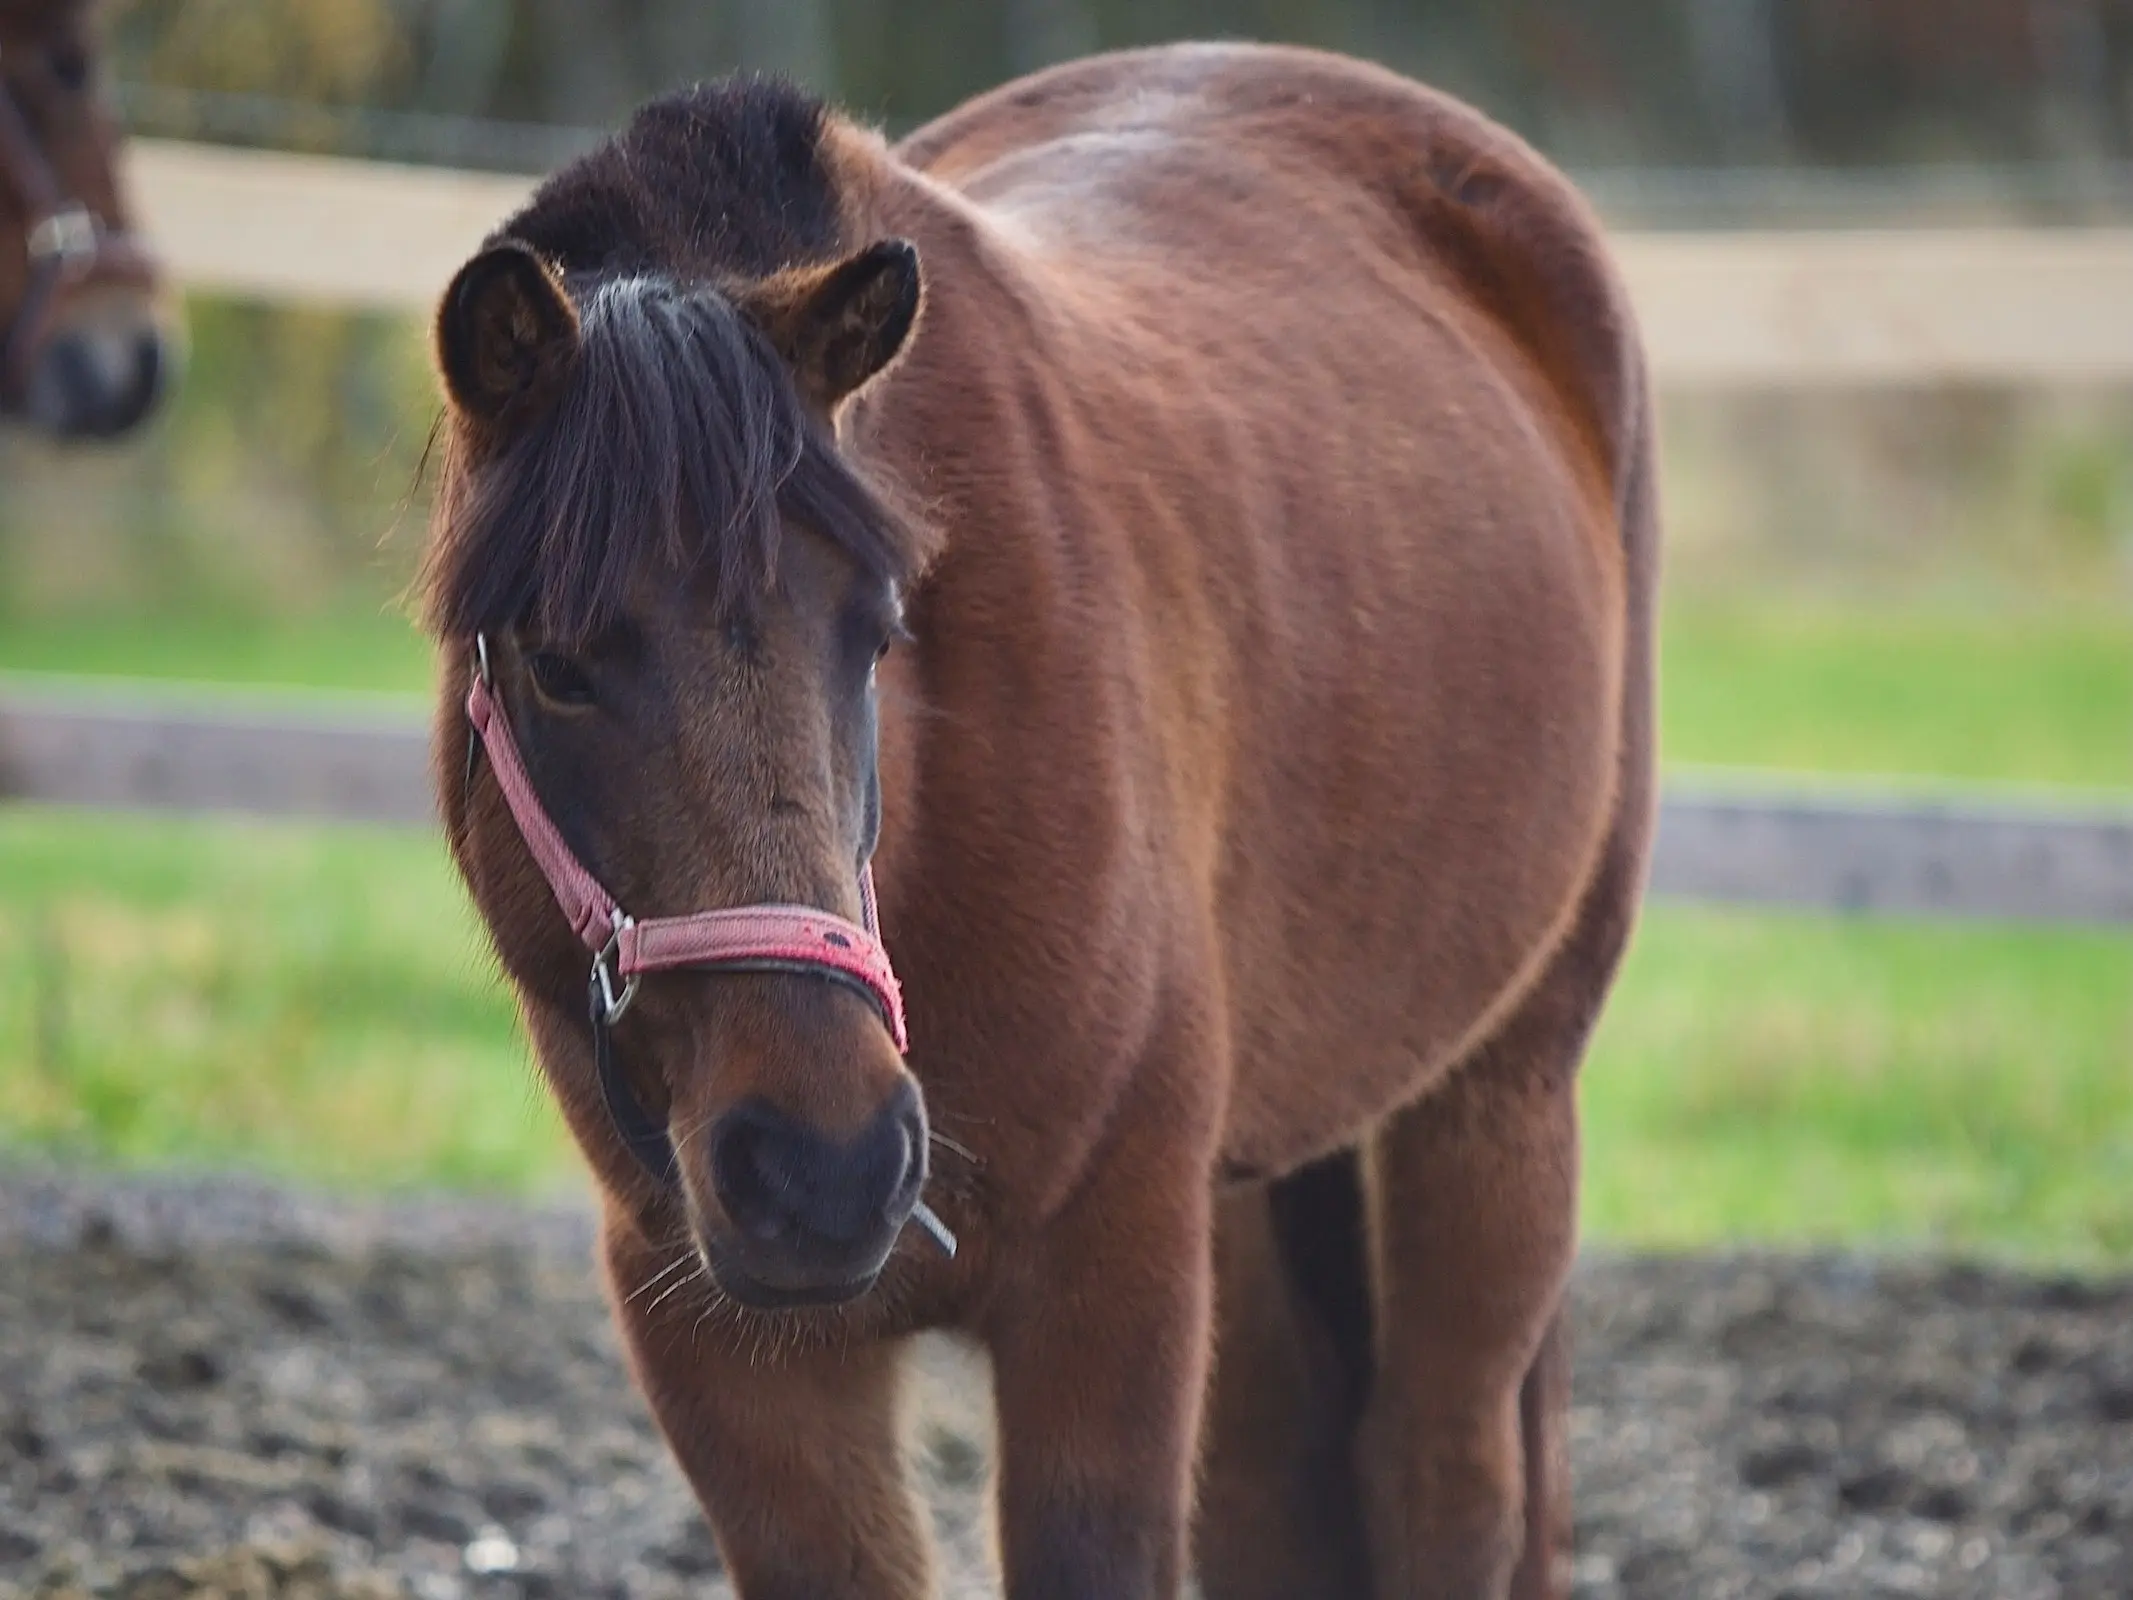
<point x="69" y="234"/>
<point x="614" y="1004"/>
<point x="481" y="674"/>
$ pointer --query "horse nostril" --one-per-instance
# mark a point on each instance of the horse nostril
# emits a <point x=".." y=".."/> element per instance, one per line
<point x="151" y="366"/>
<point x="97" y="383"/>
<point x="780" y="1181"/>
<point x="911" y="1127"/>
<point x="752" y="1170"/>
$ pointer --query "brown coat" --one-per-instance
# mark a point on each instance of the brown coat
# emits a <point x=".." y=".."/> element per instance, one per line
<point x="1263" y="800"/>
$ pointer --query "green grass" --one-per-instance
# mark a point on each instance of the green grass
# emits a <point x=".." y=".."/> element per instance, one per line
<point x="308" y="1001"/>
<point x="2041" y="697"/>
<point x="376" y="649"/>
<point x="317" y="1002"/>
<point x="1803" y="1079"/>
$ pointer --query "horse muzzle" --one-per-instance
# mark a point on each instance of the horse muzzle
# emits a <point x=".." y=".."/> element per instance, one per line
<point x="810" y="1220"/>
<point x="98" y="378"/>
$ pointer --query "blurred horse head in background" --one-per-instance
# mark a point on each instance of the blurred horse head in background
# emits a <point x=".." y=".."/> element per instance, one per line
<point x="86" y="342"/>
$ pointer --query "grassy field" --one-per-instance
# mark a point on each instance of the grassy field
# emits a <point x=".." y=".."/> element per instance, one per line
<point x="1807" y="1079"/>
<point x="375" y="649"/>
<point x="318" y="1003"/>
<point x="308" y="1000"/>
<point x="2040" y="696"/>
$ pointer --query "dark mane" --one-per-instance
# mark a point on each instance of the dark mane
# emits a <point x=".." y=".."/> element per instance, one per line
<point x="679" y="437"/>
<point x="724" y="179"/>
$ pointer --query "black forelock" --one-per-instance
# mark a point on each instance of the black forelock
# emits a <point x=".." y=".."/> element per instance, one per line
<point x="679" y="437"/>
<point x="678" y="442"/>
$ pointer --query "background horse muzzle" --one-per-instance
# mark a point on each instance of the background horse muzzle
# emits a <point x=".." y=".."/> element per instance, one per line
<point x="85" y="354"/>
<point x="96" y="373"/>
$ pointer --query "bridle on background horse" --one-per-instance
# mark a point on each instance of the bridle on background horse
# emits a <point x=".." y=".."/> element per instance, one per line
<point x="68" y="246"/>
<point x="756" y="938"/>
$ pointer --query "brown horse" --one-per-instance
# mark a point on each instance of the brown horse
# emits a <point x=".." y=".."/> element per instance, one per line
<point x="86" y="344"/>
<point x="1246" y="454"/>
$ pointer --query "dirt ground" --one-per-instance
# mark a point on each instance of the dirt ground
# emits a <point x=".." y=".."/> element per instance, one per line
<point x="222" y="1391"/>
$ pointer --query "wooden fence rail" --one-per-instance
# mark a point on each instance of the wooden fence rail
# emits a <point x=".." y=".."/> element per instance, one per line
<point x="1746" y="309"/>
<point x="1952" y="856"/>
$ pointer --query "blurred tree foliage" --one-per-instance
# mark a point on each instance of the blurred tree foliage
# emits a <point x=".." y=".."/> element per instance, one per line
<point x="1653" y="81"/>
<point x="281" y="476"/>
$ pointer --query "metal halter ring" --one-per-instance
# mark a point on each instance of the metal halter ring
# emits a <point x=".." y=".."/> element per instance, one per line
<point x="68" y="234"/>
<point x="613" y="1003"/>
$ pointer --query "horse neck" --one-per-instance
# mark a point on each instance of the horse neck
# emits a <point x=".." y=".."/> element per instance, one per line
<point x="967" y="422"/>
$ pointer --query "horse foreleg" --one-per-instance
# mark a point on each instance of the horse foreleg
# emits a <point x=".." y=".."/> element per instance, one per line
<point x="1473" y="1212"/>
<point x="1100" y="1346"/>
<point x="794" y="1455"/>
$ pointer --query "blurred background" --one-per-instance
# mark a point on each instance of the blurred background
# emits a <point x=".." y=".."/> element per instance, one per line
<point x="1920" y="584"/>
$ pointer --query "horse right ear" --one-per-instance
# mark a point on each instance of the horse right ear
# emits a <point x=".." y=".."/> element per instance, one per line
<point x="506" y="335"/>
<point x="839" y="326"/>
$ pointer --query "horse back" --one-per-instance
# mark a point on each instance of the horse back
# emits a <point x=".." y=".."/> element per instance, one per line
<point x="1339" y="404"/>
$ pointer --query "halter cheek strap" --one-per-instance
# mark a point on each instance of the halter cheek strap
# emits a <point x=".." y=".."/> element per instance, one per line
<point x="757" y="938"/>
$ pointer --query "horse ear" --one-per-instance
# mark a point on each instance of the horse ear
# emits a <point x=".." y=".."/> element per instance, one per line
<point x="507" y="334"/>
<point x="838" y="327"/>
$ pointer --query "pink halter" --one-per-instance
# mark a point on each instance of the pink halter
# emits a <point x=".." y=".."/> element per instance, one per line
<point x="768" y="938"/>
<point x="761" y="938"/>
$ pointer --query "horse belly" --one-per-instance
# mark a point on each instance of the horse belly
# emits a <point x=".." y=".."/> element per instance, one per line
<point x="1439" y="774"/>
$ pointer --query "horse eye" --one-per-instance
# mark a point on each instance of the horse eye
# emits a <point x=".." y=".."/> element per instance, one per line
<point x="895" y="635"/>
<point x="560" y="679"/>
<point x="867" y="636"/>
<point x="70" y="67"/>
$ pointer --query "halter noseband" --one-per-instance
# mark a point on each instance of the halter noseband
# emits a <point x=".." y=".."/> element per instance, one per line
<point x="756" y="938"/>
<point x="67" y="245"/>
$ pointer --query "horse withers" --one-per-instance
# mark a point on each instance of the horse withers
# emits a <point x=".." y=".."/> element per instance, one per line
<point x="1179" y="530"/>
<point x="87" y="345"/>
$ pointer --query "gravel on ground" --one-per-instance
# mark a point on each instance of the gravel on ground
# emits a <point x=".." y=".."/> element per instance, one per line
<point x="213" y="1389"/>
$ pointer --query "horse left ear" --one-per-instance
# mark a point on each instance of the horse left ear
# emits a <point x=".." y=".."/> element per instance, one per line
<point x="506" y="334"/>
<point x="838" y="327"/>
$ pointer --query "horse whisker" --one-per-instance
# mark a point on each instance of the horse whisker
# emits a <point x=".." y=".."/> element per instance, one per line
<point x="678" y="1262"/>
<point x="934" y="1229"/>
<point x="681" y="1140"/>
<point x="953" y="1146"/>
<point x="668" y="1293"/>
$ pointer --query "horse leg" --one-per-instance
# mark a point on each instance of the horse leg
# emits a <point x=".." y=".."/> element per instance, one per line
<point x="1100" y="1355"/>
<point x="794" y="1455"/>
<point x="1474" y="1193"/>
<point x="1473" y="1213"/>
<point x="1544" y="1411"/>
<point x="1276" y="1515"/>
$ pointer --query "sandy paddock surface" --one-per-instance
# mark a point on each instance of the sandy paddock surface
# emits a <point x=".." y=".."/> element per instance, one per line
<point x="220" y="1390"/>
